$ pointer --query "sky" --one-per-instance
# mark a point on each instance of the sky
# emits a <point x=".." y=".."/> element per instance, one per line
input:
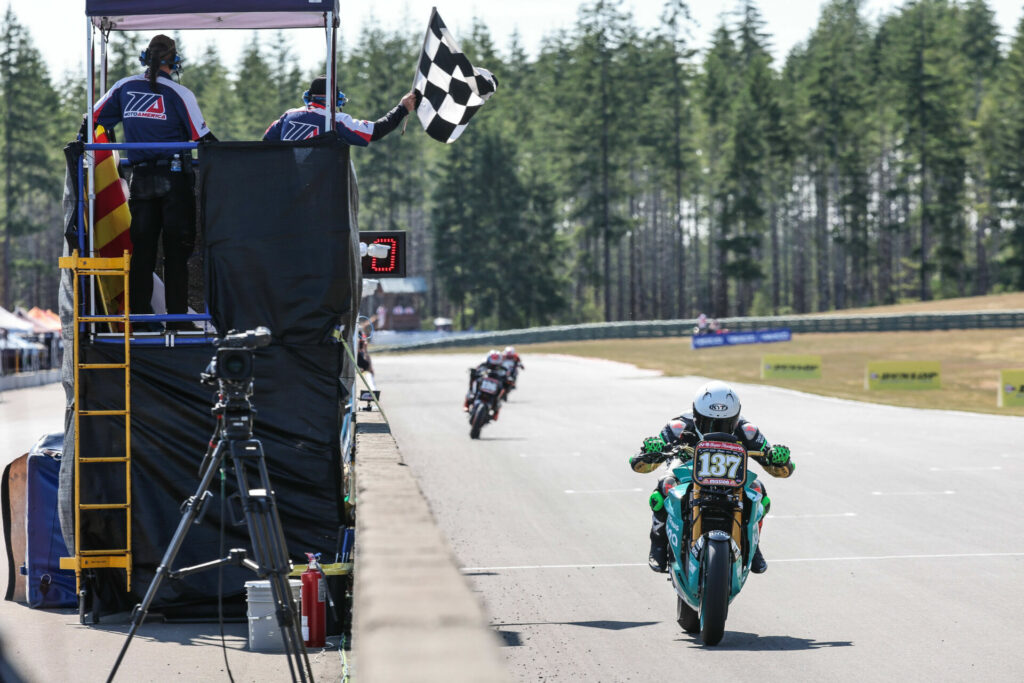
<point x="58" y="26"/>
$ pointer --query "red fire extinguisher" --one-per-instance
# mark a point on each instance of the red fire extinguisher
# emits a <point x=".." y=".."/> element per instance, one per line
<point x="314" y="594"/>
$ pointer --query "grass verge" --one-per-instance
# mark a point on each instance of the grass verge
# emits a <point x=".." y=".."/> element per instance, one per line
<point x="971" y="361"/>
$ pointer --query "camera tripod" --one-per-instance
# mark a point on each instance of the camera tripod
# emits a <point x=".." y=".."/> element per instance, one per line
<point x="233" y="439"/>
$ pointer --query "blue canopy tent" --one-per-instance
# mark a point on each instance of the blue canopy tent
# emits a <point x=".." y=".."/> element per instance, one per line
<point x="139" y="15"/>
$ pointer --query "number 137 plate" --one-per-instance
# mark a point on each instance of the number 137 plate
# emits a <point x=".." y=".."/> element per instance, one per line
<point x="720" y="463"/>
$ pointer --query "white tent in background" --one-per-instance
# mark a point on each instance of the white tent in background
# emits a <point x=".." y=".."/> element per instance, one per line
<point x="12" y="323"/>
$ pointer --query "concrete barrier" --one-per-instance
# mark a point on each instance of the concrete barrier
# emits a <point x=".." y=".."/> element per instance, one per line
<point x="415" y="618"/>
<point x="23" y="380"/>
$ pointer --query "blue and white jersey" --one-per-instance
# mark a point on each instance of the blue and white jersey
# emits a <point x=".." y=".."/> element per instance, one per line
<point x="169" y="115"/>
<point x="309" y="121"/>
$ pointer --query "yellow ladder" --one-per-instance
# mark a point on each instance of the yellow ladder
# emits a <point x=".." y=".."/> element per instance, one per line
<point x="106" y="557"/>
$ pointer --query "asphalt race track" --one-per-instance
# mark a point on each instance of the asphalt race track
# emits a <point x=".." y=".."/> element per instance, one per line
<point x="896" y="550"/>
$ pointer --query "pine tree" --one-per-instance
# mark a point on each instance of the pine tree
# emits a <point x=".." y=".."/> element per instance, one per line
<point x="980" y="46"/>
<point x="255" y="91"/>
<point x="29" y="160"/>
<point x="718" y="87"/>
<point x="596" y="174"/>
<point x="208" y="79"/>
<point x="1009" y="162"/>
<point x="839" y="125"/>
<point x="927" y="71"/>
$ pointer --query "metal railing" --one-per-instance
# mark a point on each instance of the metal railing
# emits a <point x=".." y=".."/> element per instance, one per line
<point x="883" y="322"/>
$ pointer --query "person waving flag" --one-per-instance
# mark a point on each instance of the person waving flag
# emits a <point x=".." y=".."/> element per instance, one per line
<point x="452" y="88"/>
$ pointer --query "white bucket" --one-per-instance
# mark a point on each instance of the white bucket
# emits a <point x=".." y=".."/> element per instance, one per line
<point x="264" y="633"/>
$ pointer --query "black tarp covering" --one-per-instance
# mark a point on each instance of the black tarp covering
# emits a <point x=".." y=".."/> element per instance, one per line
<point x="297" y="395"/>
<point x="281" y="242"/>
<point x="281" y="234"/>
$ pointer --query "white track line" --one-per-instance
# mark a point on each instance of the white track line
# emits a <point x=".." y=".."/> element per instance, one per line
<point x="813" y="516"/>
<point x="964" y="469"/>
<point x="555" y="566"/>
<point x="943" y="556"/>
<point x="912" y="493"/>
<point x="863" y="558"/>
<point x="604" y="491"/>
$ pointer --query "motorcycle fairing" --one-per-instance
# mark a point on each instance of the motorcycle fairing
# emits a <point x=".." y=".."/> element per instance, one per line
<point x="685" y="568"/>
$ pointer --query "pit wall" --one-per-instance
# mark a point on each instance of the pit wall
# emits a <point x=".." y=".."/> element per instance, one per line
<point x="415" y="619"/>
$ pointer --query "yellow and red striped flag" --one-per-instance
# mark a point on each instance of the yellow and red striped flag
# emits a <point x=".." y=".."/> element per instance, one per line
<point x="113" y="219"/>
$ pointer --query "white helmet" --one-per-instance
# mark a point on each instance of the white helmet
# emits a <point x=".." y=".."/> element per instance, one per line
<point x="716" y="408"/>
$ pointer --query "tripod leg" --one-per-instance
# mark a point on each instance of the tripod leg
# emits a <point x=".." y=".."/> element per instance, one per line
<point x="270" y="551"/>
<point x="192" y="508"/>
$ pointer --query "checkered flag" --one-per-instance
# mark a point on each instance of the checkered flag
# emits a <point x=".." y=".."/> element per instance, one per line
<point x="452" y="88"/>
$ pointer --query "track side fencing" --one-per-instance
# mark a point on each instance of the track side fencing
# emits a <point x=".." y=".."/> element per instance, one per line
<point x="891" y="322"/>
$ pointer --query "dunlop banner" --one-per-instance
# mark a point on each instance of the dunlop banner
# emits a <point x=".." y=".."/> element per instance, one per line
<point x="903" y="374"/>
<point x="789" y="366"/>
<point x="1011" y="388"/>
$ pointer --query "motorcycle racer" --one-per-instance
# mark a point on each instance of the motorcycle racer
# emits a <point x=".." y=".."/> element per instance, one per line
<point x="492" y="367"/>
<point x="512" y="364"/>
<point x="716" y="408"/>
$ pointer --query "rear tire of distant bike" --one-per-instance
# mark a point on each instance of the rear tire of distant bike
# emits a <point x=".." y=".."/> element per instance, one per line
<point x="714" y="604"/>
<point x="686" y="616"/>
<point x="477" y="418"/>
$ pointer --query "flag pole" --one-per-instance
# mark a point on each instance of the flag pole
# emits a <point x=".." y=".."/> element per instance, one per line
<point x="433" y="11"/>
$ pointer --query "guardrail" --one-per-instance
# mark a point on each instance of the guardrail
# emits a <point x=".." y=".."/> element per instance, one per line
<point x="884" y="322"/>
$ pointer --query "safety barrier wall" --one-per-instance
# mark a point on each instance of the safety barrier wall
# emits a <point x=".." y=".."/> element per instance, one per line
<point x="415" y="617"/>
<point x="893" y="322"/>
<point x="23" y="380"/>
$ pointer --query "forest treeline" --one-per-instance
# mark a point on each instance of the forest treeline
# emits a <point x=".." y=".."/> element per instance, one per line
<point x="621" y="174"/>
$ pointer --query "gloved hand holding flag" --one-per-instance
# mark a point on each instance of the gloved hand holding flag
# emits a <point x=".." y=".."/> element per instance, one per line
<point x="452" y="88"/>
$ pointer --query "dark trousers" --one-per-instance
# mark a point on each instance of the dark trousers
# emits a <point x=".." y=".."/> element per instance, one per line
<point x="163" y="205"/>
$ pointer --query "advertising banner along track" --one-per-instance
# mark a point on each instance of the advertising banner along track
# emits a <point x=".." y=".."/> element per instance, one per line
<point x="903" y="374"/>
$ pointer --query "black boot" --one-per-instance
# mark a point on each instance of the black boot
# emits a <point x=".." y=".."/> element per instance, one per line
<point x="758" y="564"/>
<point x="658" y="559"/>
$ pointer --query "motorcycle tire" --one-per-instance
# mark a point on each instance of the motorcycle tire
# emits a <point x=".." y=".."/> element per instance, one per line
<point x="686" y="616"/>
<point x="478" y="417"/>
<point x="714" y="603"/>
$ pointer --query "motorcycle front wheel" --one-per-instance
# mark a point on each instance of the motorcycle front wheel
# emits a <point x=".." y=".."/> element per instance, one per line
<point x="477" y="418"/>
<point x="714" y="604"/>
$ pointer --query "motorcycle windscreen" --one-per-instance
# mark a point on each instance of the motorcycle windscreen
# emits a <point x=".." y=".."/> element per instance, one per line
<point x="720" y="463"/>
<point x="280" y="237"/>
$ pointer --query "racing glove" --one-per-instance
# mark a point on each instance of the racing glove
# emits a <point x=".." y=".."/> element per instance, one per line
<point x="652" y="450"/>
<point x="778" y="455"/>
<point x="654" y="445"/>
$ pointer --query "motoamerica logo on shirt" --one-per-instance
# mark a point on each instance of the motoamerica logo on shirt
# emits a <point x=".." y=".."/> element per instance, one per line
<point x="145" y="105"/>
<point x="300" y="131"/>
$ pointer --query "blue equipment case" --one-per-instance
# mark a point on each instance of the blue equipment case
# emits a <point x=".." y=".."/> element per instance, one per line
<point x="47" y="584"/>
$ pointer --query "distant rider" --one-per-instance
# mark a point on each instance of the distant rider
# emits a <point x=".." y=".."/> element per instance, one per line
<point x="512" y="364"/>
<point x="716" y="408"/>
<point x="491" y="367"/>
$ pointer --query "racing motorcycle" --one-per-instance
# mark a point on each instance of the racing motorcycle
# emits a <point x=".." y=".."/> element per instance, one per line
<point x="714" y="517"/>
<point x="488" y="391"/>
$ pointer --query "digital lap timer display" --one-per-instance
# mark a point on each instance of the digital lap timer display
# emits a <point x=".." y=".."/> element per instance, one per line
<point x="392" y="265"/>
